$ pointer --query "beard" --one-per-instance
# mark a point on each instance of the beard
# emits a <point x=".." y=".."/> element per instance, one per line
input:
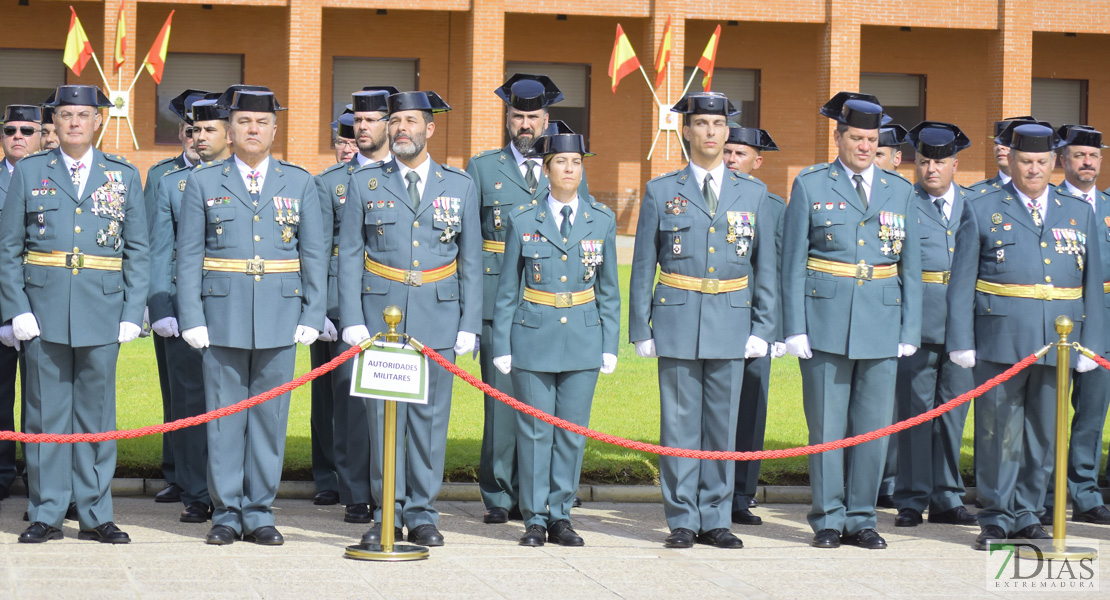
<point x="523" y="140"/>
<point x="407" y="149"/>
<point x="373" y="145"/>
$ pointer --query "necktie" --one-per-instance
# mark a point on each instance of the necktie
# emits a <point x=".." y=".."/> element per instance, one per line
<point x="75" y="175"/>
<point x="253" y="188"/>
<point x="414" y="191"/>
<point x="859" y="189"/>
<point x="939" y="202"/>
<point x="708" y="193"/>
<point x="530" y="176"/>
<point x="1035" y="212"/>
<point x="564" y="229"/>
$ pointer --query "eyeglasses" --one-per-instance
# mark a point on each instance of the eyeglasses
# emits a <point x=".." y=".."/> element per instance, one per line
<point x="26" y="130"/>
<point x="189" y="131"/>
<point x="341" y="143"/>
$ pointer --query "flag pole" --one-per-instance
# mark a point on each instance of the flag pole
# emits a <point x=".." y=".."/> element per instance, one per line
<point x="138" y="74"/>
<point x="650" y="88"/>
<point x="668" y="67"/>
<point x="691" y="80"/>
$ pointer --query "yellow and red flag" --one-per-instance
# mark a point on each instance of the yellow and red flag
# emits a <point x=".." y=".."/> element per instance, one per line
<point x="663" y="57"/>
<point x="121" y="38"/>
<point x="623" y="61"/>
<point x="708" y="58"/>
<point x="78" y="49"/>
<point x="155" y="60"/>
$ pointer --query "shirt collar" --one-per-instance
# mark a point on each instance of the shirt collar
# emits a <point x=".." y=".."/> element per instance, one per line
<point x="8" y="165"/>
<point x="517" y="156"/>
<point x="245" y="169"/>
<point x="185" y="159"/>
<point x="949" y="195"/>
<point x="868" y="173"/>
<point x="1085" y="196"/>
<point x="556" y="207"/>
<point x="86" y="160"/>
<point x="1042" y="200"/>
<point x="421" y="170"/>
<point x="718" y="173"/>
<point x="1004" y="178"/>
<point x="363" y="161"/>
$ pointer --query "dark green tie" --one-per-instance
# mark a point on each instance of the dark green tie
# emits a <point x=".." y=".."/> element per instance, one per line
<point x="530" y="176"/>
<point x="414" y="191"/>
<point x="939" y="202"/>
<point x="564" y="229"/>
<point x="859" y="190"/>
<point x="708" y="193"/>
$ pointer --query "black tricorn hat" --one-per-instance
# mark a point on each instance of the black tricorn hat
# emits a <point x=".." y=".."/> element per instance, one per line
<point x="1003" y="137"/>
<point x="344" y="126"/>
<point x="206" y="109"/>
<point x="22" y="112"/>
<point x="1033" y="137"/>
<point x="854" y="109"/>
<point x="1080" y="135"/>
<point x="559" y="138"/>
<point x="892" y="136"/>
<point x="999" y="126"/>
<point x="750" y="136"/>
<point x="182" y="103"/>
<point x="705" y="103"/>
<point x="529" y="92"/>
<point x="78" y="95"/>
<point x="372" y="99"/>
<point x="937" y="140"/>
<point x="227" y="99"/>
<point x="48" y="115"/>
<point x="429" y="101"/>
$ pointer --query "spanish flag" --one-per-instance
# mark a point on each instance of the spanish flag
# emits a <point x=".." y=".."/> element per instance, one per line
<point x="155" y="60"/>
<point x="663" y="57"/>
<point x="121" y="38"/>
<point x="78" y="49"/>
<point x="623" y="61"/>
<point x="708" y="58"/>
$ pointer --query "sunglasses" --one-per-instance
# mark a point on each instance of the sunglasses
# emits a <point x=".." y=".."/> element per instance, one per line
<point x="189" y="131"/>
<point x="26" y="130"/>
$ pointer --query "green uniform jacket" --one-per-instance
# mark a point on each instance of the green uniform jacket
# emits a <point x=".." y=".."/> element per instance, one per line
<point x="331" y="185"/>
<point x="163" y="241"/>
<point x="153" y="176"/>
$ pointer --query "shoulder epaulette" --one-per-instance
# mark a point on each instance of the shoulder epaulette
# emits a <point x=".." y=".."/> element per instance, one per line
<point x="164" y="161"/>
<point x="294" y="165"/>
<point x="209" y="164"/>
<point x="896" y="174"/>
<point x="602" y="207"/>
<point x="665" y="175"/>
<point x="776" y="198"/>
<point x="37" y="153"/>
<point x="454" y="169"/>
<point x="486" y="153"/>
<point x="333" y="168"/>
<point x="818" y="168"/>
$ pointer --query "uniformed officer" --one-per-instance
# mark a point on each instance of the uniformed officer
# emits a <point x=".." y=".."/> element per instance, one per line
<point x="1001" y="155"/>
<point x="179" y="106"/>
<point x="703" y="226"/>
<point x="49" y="132"/>
<point x="1081" y="156"/>
<point x="342" y="421"/>
<point x="889" y="153"/>
<point x="929" y="454"/>
<point x="507" y="179"/>
<point x="251" y="283"/>
<point x="410" y="237"/>
<point x="343" y="137"/>
<point x="743" y="155"/>
<point x="1025" y="254"/>
<point x="74" y="270"/>
<point x="851" y="285"/>
<point x="190" y="445"/>
<point x="556" y="323"/>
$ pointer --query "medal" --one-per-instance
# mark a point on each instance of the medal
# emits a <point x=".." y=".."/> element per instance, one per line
<point x="287" y="234"/>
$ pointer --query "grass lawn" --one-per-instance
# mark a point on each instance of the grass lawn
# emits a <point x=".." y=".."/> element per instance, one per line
<point x="626" y="404"/>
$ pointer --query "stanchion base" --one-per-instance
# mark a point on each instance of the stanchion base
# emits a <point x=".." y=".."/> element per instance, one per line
<point x="400" y="552"/>
<point x="1048" y="550"/>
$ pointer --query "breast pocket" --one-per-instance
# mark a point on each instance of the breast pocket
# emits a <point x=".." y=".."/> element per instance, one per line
<point x="444" y="244"/>
<point x="674" y="235"/>
<point x="537" y="263"/>
<point x="828" y="231"/>
<point x="380" y="226"/>
<point x="221" y="228"/>
<point x="285" y="235"/>
<point x="998" y="253"/>
<point x="43" y="222"/>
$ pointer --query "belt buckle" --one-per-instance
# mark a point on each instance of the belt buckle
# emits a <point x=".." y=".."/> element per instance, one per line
<point x="564" y="299"/>
<point x="1042" y="291"/>
<point x="865" y="271"/>
<point x="75" y="261"/>
<point x="710" y="286"/>
<point x="256" y="266"/>
<point x="414" y="278"/>
<point x="946" y="275"/>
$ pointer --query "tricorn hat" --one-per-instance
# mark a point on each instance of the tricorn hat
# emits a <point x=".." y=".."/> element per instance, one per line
<point x="558" y="138"/>
<point x="937" y="140"/>
<point x="182" y="103"/>
<point x="705" y="103"/>
<point x="892" y="136"/>
<point x="1033" y="137"/>
<point x="999" y="126"/>
<point x="205" y="109"/>
<point x="78" y="95"/>
<point x="429" y="101"/>
<point x="344" y="126"/>
<point x="854" y="109"/>
<point x="22" y="112"/>
<point x="228" y="99"/>
<point x="1080" y="135"/>
<point x="529" y="92"/>
<point x="372" y="99"/>
<point x="750" y="136"/>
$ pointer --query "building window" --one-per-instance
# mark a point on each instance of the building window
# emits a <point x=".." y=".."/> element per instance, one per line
<point x="902" y="97"/>
<point x="573" y="81"/>
<point x="1059" y="101"/>
<point x="349" y="75"/>
<point x="210" y="72"/>
<point x="29" y="76"/>
<point x="740" y="85"/>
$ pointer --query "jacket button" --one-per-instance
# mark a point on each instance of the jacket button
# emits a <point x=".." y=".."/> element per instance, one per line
<point x="1047" y="279"/>
<point x="258" y="278"/>
<point x="662" y="301"/>
<point x="78" y="211"/>
<point x="563" y="278"/>
<point x="712" y="249"/>
<point x="859" y="282"/>
<point x="416" y="223"/>
<point x="563" y="320"/>
<point x="564" y="258"/>
<point x="416" y="243"/>
<point x="1048" y="261"/>
<point x="712" y="230"/>
<point x="863" y="223"/>
<point x="255" y="217"/>
<point x="712" y="269"/>
<point x="1044" y="244"/>
<point x="368" y="288"/>
<point x="257" y="238"/>
<point x="77" y="229"/>
<point x="487" y="269"/>
<point x="296" y="291"/>
<point x="416" y="263"/>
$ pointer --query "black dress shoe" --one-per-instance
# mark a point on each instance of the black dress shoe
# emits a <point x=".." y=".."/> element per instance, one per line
<point x="326" y="498"/>
<point x="988" y="532"/>
<point x="426" y="535"/>
<point x="826" y="538"/>
<point x="957" y="515"/>
<point x="496" y="515"/>
<point x="1046" y="516"/>
<point x="908" y="517"/>
<point x="170" y="493"/>
<point x="357" y="513"/>
<point x="1033" y="532"/>
<point x="221" y="535"/>
<point x="563" y="534"/>
<point x="752" y="503"/>
<point x="868" y="539"/>
<point x="105" y="533"/>
<point x="515" y="515"/>
<point x="885" y="501"/>
<point x="534" y="536"/>
<point x="374" y="535"/>
<point x="721" y="538"/>
<point x="680" y="538"/>
<point x="267" y="535"/>
<point x="39" y="532"/>
<point x="71" y="512"/>
<point x="1098" y="515"/>
<point x="577" y="502"/>
<point x="195" y="512"/>
<point x="744" y="516"/>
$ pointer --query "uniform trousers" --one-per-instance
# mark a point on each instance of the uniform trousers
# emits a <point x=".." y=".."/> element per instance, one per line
<point x="190" y="445"/>
<point x="1090" y="396"/>
<point x="9" y="365"/>
<point x="497" y="468"/>
<point x="169" y="466"/>
<point x="751" y="424"/>
<point x="321" y="423"/>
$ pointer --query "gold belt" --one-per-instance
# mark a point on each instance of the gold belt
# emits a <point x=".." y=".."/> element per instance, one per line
<point x="559" y="299"/>
<point x="335" y="250"/>
<point x="413" y="278"/>
<point x="253" y="266"/>
<point x="1035" y="291"/>
<point x="935" y="277"/>
<point x="705" y="286"/>
<point x="1106" y="287"/>
<point x="74" y="261"/>
<point x="492" y="246"/>
<point x="862" y="271"/>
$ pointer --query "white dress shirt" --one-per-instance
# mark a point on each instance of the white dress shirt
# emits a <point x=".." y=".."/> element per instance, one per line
<point x="245" y="170"/>
<point x="868" y="176"/>
<point x="718" y="174"/>
<point x="86" y="163"/>
<point x="556" y="209"/>
<point x="421" y="170"/>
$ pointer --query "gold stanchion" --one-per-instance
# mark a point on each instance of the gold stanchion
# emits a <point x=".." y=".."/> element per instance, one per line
<point x="1059" y="548"/>
<point x="388" y="550"/>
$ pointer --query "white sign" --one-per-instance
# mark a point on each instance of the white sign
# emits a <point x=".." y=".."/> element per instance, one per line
<point x="391" y="371"/>
<point x="668" y="121"/>
<point x="119" y="105"/>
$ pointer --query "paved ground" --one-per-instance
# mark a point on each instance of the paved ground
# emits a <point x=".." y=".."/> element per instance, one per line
<point x="623" y="558"/>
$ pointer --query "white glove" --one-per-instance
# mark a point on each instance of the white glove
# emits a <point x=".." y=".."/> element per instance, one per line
<point x="505" y="363"/>
<point x="465" y="343"/>
<point x="964" y="358"/>
<point x="128" y="331"/>
<point x="25" y="326"/>
<point x="330" y="334"/>
<point x="355" y="334"/>
<point x="778" y="350"/>
<point x="646" y="348"/>
<point x="608" y="363"/>
<point x="196" y="337"/>
<point x="166" y="327"/>
<point x="7" y="335"/>
<point x="1085" y="364"/>
<point x="755" y="348"/>
<point x="305" y="335"/>
<point x="798" y="345"/>
<point x="906" y="349"/>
